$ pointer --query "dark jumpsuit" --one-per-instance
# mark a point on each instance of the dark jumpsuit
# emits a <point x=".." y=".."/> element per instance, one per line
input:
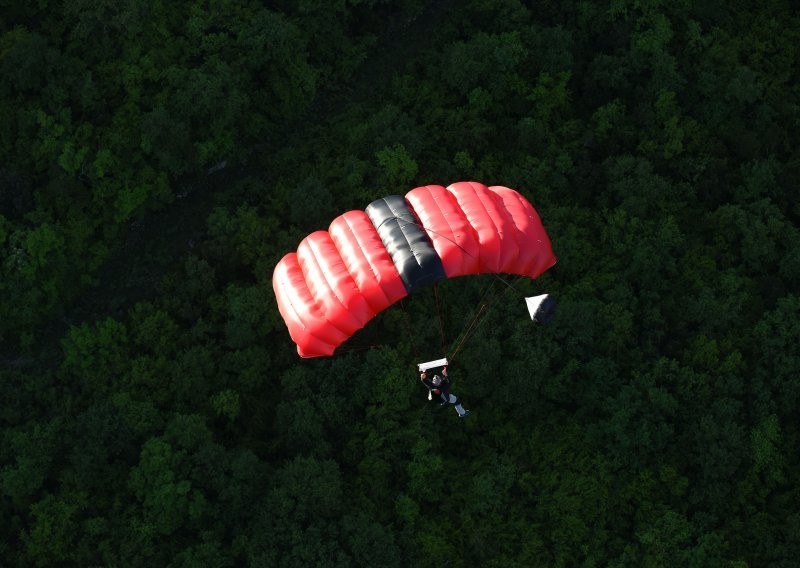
<point x="443" y="390"/>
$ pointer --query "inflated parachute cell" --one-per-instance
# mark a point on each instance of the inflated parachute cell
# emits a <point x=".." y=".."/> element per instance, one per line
<point x="406" y="242"/>
<point x="341" y="278"/>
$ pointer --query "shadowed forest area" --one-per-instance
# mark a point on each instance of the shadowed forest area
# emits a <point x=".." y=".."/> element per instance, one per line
<point x="157" y="159"/>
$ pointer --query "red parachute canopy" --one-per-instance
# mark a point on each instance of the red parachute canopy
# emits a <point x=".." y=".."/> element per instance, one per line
<point x="366" y="261"/>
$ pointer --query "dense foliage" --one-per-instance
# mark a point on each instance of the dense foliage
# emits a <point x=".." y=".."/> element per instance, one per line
<point x="158" y="158"/>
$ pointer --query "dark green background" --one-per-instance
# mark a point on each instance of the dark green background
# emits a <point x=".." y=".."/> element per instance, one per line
<point x="157" y="159"/>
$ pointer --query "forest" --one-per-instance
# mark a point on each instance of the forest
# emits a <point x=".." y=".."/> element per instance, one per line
<point x="157" y="159"/>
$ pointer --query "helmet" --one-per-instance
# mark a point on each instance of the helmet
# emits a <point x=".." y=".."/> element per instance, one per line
<point x="436" y="380"/>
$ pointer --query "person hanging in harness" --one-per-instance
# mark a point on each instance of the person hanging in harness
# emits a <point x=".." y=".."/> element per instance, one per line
<point x="439" y="389"/>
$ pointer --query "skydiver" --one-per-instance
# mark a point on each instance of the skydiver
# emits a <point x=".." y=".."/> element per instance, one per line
<point x="440" y="386"/>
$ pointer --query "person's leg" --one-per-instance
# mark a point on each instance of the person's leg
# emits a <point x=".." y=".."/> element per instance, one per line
<point x="460" y="409"/>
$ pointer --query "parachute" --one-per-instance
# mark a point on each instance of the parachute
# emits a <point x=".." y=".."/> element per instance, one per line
<point x="366" y="261"/>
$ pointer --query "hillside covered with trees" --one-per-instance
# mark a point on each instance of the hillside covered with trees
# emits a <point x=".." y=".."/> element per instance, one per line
<point x="157" y="159"/>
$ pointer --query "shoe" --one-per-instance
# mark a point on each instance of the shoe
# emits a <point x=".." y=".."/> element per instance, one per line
<point x="466" y="413"/>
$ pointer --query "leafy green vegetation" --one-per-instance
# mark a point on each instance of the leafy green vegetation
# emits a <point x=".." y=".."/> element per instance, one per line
<point x="158" y="159"/>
